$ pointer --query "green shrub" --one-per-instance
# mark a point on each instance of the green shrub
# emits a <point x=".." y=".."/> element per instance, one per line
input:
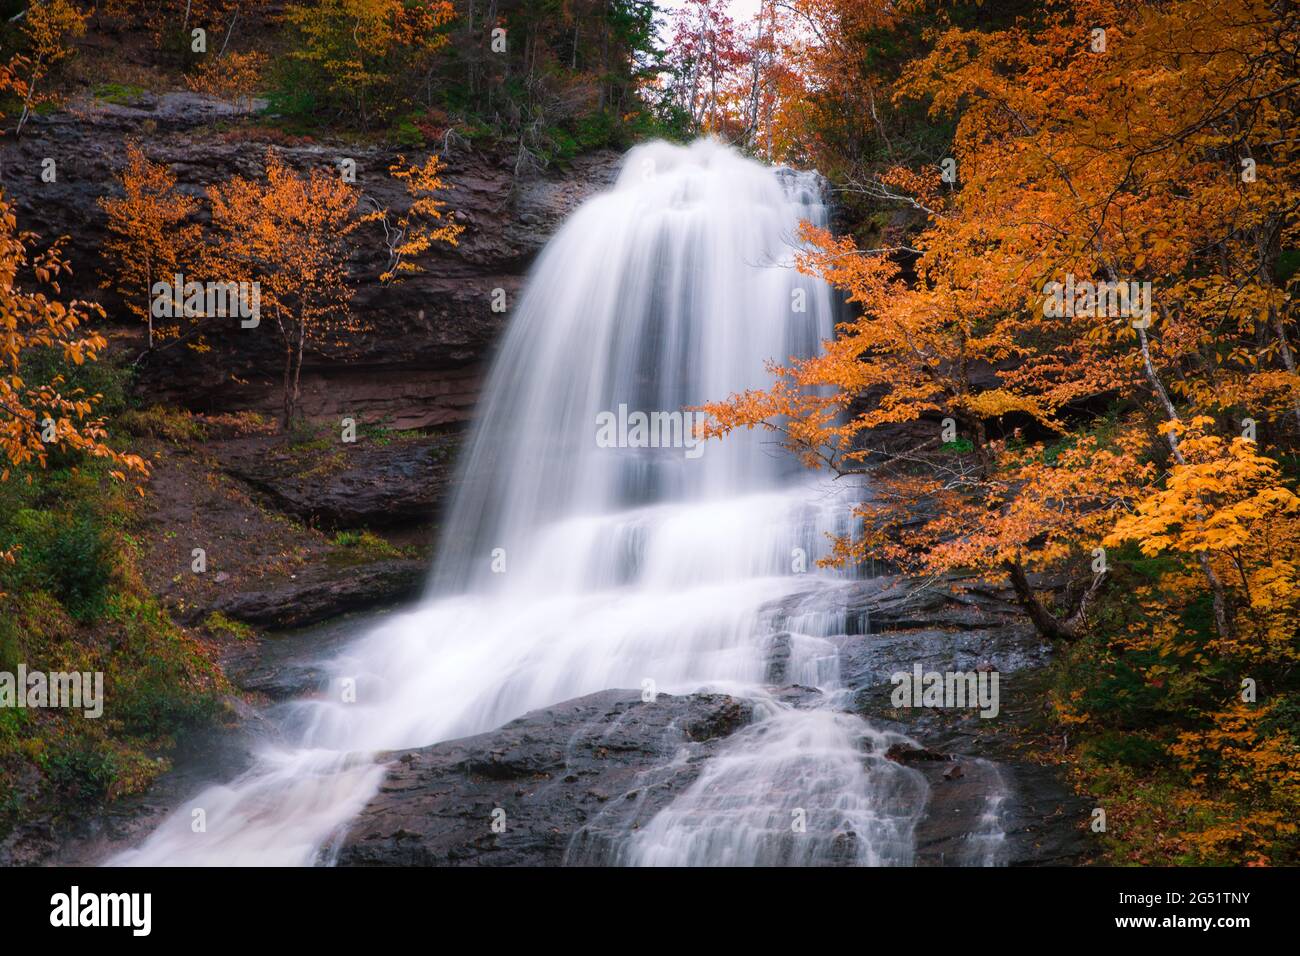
<point x="293" y="92"/>
<point x="362" y="546"/>
<point x="1129" y="750"/>
<point x="104" y="378"/>
<point x="11" y="648"/>
<point x="83" y="773"/>
<point x="64" y="555"/>
<point x="175" y="425"/>
<point x="406" y="131"/>
<point x="120" y="94"/>
<point x="218" y="623"/>
<point x="162" y="682"/>
<point x="348" y="539"/>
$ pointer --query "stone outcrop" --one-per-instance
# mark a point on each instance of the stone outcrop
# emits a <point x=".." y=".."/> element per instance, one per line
<point x="312" y="600"/>
<point x="398" y="484"/>
<point x="572" y="780"/>
<point x="962" y="624"/>
<point x="421" y="361"/>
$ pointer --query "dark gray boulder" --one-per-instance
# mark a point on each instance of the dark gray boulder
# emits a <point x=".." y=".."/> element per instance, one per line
<point x="399" y="484"/>
<point x="572" y="780"/>
<point x="311" y="600"/>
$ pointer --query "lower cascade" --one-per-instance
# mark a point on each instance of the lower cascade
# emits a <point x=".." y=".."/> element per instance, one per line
<point x="594" y="544"/>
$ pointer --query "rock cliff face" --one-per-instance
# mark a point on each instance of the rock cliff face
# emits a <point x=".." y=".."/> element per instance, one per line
<point x="429" y="337"/>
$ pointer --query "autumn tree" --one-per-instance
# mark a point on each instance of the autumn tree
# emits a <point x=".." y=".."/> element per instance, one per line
<point x="827" y="87"/>
<point x="706" y="58"/>
<point x="11" y="78"/>
<point x="39" y="417"/>
<point x="1138" y="178"/>
<point x="288" y="233"/>
<point x="1231" y="697"/>
<point x="796" y="82"/>
<point x="232" y="76"/>
<point x="1143" y="158"/>
<point x="1228" y="502"/>
<point x="1127" y="183"/>
<point x="424" y="222"/>
<point x="363" y="47"/>
<point x="48" y="29"/>
<point x="898" y="395"/>
<point x="151" y="237"/>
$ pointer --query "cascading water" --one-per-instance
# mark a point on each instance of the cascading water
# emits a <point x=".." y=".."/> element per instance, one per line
<point x="568" y="566"/>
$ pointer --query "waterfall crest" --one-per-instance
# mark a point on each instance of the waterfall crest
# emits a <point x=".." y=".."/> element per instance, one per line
<point x="672" y="289"/>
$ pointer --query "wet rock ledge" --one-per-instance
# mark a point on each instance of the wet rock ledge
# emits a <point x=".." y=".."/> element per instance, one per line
<point x="572" y="780"/>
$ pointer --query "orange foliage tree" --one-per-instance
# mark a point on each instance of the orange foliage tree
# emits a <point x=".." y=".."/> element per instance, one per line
<point x="948" y="494"/>
<point x="820" y="84"/>
<point x="1069" y="167"/>
<point x="288" y="234"/>
<point x="424" y="222"/>
<point x="48" y="29"/>
<point x="232" y="76"/>
<point x="1099" y="299"/>
<point x="39" y="417"/>
<point x="150" y="237"/>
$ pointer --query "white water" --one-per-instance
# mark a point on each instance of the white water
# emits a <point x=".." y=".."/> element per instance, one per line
<point x="621" y="565"/>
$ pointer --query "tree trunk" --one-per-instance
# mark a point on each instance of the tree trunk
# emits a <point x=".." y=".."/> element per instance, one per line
<point x="287" y="397"/>
<point x="1222" y="620"/>
<point x="1288" y="358"/>
<point x="26" y="113"/>
<point x="148" y="308"/>
<point x="1045" y="622"/>
<point x="297" y="365"/>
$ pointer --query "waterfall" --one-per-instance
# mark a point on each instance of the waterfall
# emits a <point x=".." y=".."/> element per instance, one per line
<point x="583" y="552"/>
